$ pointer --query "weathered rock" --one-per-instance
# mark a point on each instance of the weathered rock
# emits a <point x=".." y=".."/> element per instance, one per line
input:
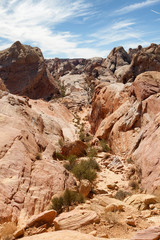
<point x="114" y="207"/>
<point x="146" y="84"/>
<point x="65" y="235"/>
<point x="141" y="201"/>
<point x="46" y="217"/>
<point x="77" y="148"/>
<point x="28" y="181"/>
<point x="152" y="233"/>
<point x="74" y="219"/>
<point x="24" y="72"/>
<point x="85" y="187"/>
<point x="146" y="156"/>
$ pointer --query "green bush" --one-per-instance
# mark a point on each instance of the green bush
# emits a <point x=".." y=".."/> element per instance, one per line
<point x="84" y="171"/>
<point x="69" y="198"/>
<point x="134" y="185"/>
<point x="57" y="204"/>
<point x="58" y="155"/>
<point x="104" y="146"/>
<point x="93" y="164"/>
<point x="121" y="195"/>
<point x="91" y="152"/>
<point x="71" y="162"/>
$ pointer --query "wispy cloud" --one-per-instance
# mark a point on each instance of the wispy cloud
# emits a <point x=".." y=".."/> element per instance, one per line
<point x="35" y="22"/>
<point x="135" y="6"/>
<point x="121" y="31"/>
<point x="155" y="11"/>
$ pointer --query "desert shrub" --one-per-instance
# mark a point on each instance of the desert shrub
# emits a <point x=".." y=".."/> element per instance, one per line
<point x="71" y="162"/>
<point x="112" y="217"/>
<point x="69" y="198"/>
<point x="104" y="146"/>
<point x="93" y="164"/>
<point x="121" y="195"/>
<point x="91" y="152"/>
<point x="129" y="160"/>
<point x="134" y="185"/>
<point x="58" y="155"/>
<point x="84" y="171"/>
<point x="57" y="204"/>
<point x="39" y="156"/>
<point x="61" y="143"/>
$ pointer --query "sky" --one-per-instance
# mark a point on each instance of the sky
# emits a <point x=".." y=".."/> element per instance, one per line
<point x="79" y="28"/>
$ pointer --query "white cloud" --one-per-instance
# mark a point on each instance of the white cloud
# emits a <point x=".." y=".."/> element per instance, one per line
<point x="116" y="32"/>
<point x="35" y="22"/>
<point x="135" y="6"/>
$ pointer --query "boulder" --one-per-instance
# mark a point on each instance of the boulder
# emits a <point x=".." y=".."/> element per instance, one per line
<point x="77" y="148"/>
<point x="75" y="219"/>
<point x="85" y="187"/>
<point x="45" y="217"/>
<point x="23" y="71"/>
<point x="141" y="201"/>
<point x="146" y="84"/>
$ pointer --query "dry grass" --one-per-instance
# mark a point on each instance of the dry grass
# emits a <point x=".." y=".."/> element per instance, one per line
<point x="7" y="230"/>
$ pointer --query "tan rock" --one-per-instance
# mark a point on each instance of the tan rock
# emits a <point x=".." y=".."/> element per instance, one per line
<point x="75" y="219"/>
<point x="85" y="187"/>
<point x="113" y="207"/>
<point x="141" y="201"/>
<point x="65" y="235"/>
<point x="28" y="184"/>
<point x="146" y="84"/>
<point x="46" y="217"/>
<point x="152" y="233"/>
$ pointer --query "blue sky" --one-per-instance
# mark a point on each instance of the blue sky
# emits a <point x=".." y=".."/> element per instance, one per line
<point x="79" y="28"/>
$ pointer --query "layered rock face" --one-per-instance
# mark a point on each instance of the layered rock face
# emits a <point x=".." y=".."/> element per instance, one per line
<point x="23" y="72"/>
<point x="127" y="116"/>
<point x="29" y="175"/>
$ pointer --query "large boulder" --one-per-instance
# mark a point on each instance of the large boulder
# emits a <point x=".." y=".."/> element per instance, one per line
<point x="45" y="217"/>
<point x="75" y="219"/>
<point x="146" y="84"/>
<point x="23" y="71"/>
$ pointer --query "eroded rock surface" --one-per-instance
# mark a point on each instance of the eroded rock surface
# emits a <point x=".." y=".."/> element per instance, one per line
<point x="23" y="72"/>
<point x="29" y="175"/>
<point x="127" y="116"/>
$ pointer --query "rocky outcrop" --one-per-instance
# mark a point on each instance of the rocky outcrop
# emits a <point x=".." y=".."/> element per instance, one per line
<point x="29" y="175"/>
<point x="127" y="117"/>
<point x="141" y="201"/>
<point x="23" y="72"/>
<point x="142" y="60"/>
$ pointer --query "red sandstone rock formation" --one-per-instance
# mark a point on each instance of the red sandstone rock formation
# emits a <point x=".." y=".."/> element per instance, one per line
<point x="29" y="175"/>
<point x="24" y="72"/>
<point x="127" y="116"/>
